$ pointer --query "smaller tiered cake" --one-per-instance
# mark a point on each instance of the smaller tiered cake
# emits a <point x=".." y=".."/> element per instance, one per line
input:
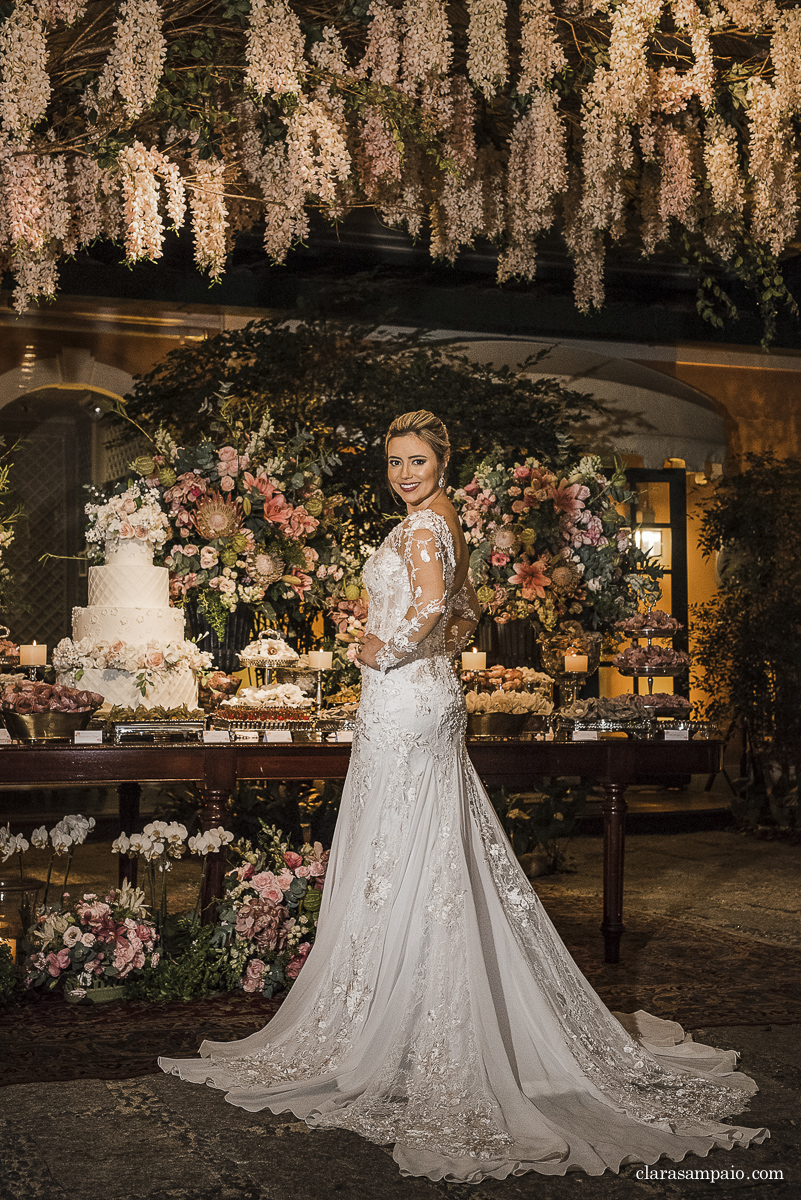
<point x="128" y="643"/>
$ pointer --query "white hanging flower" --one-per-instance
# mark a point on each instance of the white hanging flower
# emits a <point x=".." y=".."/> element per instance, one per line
<point x="24" y="82"/>
<point x="144" y="231"/>
<point x="382" y="54"/>
<point x="274" y="50"/>
<point x="209" y="215"/>
<point x="427" y="48"/>
<point x="487" y="54"/>
<point x="136" y="61"/>
<point x="121" y="844"/>
<point x="541" y="56"/>
<point x="317" y="152"/>
<point x="722" y="166"/>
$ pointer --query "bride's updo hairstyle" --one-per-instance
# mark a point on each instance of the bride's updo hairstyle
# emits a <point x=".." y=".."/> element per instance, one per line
<point x="428" y="428"/>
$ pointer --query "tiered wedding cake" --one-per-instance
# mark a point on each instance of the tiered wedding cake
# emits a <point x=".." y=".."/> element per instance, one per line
<point x="128" y="643"/>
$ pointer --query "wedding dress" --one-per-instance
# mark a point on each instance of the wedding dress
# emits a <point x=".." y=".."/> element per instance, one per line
<point x="438" y="1009"/>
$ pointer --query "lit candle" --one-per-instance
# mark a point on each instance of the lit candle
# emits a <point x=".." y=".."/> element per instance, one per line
<point x="321" y="660"/>
<point x="474" y="660"/>
<point x="32" y="656"/>
<point x="576" y="664"/>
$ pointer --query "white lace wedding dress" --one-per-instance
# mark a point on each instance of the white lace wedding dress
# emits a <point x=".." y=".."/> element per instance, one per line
<point x="438" y="1009"/>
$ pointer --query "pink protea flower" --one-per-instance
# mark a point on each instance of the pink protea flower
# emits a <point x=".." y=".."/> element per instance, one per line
<point x="530" y="577"/>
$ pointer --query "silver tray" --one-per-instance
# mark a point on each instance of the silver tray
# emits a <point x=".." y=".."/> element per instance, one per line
<point x="158" y="731"/>
<point x="665" y="672"/>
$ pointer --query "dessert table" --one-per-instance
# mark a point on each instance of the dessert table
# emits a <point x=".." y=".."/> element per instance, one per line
<point x="216" y="768"/>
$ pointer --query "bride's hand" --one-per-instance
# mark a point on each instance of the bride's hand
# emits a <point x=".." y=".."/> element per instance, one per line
<point x="368" y="651"/>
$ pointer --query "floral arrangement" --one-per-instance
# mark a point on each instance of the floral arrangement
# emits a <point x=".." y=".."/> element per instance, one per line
<point x="550" y="546"/>
<point x="35" y="697"/>
<point x="270" y="906"/>
<point x="149" y="662"/>
<point x="160" y="844"/>
<point x="87" y="942"/>
<point x="134" y="514"/>
<point x="534" y="703"/>
<point x="252" y="522"/>
<point x="666" y="122"/>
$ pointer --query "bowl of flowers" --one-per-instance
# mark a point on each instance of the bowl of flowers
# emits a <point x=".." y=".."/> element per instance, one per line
<point x="44" y="712"/>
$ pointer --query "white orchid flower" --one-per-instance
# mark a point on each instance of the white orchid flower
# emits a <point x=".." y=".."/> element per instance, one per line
<point x="39" y="838"/>
<point x="156" y="829"/>
<point x="120" y="845"/>
<point x="140" y="843"/>
<point x="22" y="844"/>
<point x="61" y="841"/>
<point x="153" y="851"/>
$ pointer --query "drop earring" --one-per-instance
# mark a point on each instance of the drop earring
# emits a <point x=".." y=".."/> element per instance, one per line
<point x="442" y="480"/>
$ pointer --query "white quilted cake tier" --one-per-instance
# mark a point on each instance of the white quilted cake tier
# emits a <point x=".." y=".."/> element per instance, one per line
<point x="119" y="687"/>
<point x="129" y="551"/>
<point x="125" y="585"/>
<point x="137" y="626"/>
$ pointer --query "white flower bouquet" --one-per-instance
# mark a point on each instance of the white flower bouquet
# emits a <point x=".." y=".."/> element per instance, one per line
<point x="135" y="514"/>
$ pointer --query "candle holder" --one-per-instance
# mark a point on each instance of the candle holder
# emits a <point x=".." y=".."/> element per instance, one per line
<point x="560" y="654"/>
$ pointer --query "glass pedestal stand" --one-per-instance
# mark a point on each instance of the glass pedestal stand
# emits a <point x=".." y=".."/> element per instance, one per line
<point x="569" y="685"/>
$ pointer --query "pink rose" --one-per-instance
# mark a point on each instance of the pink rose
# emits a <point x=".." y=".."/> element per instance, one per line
<point x="303" y="872"/>
<point x="126" y="530"/>
<point x="498" y="559"/>
<point x="285" y="878"/>
<point x="56" y="963"/>
<point x="226" y="454"/>
<point x="252" y="979"/>
<point x="208" y="557"/>
<point x="227" y="484"/>
<point x="154" y="659"/>
<point x="88" y="939"/>
<point x="292" y="860"/>
<point x="293" y="967"/>
<point x="268" y="887"/>
<point x="522" y="472"/>
<point x="128" y="507"/>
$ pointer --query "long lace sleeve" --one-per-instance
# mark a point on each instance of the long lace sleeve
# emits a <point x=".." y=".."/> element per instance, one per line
<point x="464" y="617"/>
<point x="423" y="557"/>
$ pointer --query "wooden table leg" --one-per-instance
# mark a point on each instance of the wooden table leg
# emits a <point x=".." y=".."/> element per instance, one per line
<point x="211" y="816"/>
<point x="614" y="808"/>
<point x="128" y="796"/>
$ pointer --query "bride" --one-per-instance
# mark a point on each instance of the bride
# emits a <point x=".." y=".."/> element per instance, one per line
<point x="438" y="1009"/>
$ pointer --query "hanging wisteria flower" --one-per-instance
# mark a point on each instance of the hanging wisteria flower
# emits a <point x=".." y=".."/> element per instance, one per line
<point x="487" y="53"/>
<point x="24" y="82"/>
<point x="136" y="61"/>
<point x="274" y="51"/>
<point x="382" y="56"/>
<point x="209" y="215"/>
<point x="427" y="48"/>
<point x="541" y="56"/>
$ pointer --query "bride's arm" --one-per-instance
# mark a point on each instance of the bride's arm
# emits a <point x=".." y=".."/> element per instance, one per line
<point x="422" y="555"/>
<point x="464" y="618"/>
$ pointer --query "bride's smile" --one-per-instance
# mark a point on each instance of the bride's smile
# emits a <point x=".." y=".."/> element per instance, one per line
<point x="413" y="471"/>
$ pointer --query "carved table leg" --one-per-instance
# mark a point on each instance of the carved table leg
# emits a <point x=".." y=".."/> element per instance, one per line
<point x="614" y="808"/>
<point x="211" y="816"/>
<point x="128" y="796"/>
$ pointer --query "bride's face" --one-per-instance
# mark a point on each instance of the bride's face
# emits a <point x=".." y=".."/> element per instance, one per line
<point x="412" y="469"/>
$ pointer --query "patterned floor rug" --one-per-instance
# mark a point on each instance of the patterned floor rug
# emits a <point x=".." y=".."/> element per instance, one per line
<point x="697" y="976"/>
